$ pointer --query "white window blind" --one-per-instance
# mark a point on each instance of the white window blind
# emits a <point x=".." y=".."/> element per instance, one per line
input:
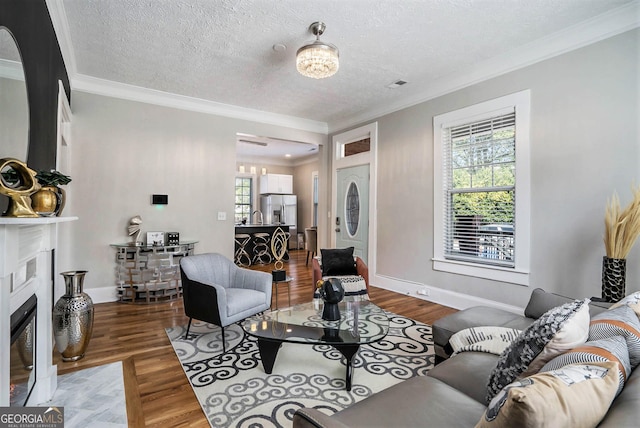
<point x="479" y="183"/>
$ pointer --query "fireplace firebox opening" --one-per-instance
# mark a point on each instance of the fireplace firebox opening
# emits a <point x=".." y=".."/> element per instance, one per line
<point x="23" y="353"/>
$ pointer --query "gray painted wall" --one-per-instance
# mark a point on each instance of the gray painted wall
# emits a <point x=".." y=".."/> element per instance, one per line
<point x="585" y="145"/>
<point x="302" y="186"/>
<point x="123" y="152"/>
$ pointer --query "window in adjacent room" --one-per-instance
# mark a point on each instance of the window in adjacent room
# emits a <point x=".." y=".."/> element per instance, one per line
<point x="244" y="197"/>
<point x="315" y="193"/>
<point x="481" y="203"/>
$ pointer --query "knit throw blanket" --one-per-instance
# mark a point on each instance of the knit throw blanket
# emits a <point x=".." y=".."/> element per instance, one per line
<point x="492" y="340"/>
<point x="354" y="287"/>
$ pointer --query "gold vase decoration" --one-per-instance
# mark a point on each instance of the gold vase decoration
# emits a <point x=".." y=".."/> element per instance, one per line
<point x="46" y="201"/>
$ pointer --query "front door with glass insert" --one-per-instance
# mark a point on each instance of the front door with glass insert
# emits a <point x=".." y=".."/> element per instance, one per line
<point x="352" y="217"/>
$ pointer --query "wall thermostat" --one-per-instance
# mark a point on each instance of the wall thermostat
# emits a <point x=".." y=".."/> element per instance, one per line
<point x="159" y="199"/>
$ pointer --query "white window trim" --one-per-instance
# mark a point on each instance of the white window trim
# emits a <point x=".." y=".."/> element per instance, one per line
<point x="520" y="273"/>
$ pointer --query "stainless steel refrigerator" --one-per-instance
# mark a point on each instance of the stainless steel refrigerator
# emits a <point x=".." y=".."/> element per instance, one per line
<point x="281" y="209"/>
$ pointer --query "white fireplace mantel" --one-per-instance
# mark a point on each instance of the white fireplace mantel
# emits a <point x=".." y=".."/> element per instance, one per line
<point x="25" y="270"/>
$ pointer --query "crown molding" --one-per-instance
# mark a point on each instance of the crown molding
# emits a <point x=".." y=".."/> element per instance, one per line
<point x="109" y="88"/>
<point x="80" y="82"/>
<point x="61" y="27"/>
<point x="609" y="24"/>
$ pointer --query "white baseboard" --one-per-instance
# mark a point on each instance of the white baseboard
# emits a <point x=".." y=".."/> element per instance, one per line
<point x="102" y="294"/>
<point x="438" y="295"/>
<point x="435" y="294"/>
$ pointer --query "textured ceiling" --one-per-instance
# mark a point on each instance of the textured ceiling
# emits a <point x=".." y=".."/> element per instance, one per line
<point x="222" y="50"/>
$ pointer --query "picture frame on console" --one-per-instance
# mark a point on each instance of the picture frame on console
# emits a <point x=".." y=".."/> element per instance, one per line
<point x="155" y="239"/>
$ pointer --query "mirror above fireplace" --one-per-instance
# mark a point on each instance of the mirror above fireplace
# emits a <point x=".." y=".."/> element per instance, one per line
<point x="14" y="107"/>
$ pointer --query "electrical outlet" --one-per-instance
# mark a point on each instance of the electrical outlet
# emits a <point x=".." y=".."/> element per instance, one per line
<point x="423" y="291"/>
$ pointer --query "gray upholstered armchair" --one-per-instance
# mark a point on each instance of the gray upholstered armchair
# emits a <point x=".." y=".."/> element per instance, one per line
<point x="217" y="291"/>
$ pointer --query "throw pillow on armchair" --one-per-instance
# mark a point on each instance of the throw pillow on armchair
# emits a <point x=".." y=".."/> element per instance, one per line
<point x="338" y="261"/>
<point x="341" y="263"/>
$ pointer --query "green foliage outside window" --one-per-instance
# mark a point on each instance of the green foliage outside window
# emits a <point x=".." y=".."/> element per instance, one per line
<point x="483" y="169"/>
<point x="491" y="207"/>
<point x="243" y="199"/>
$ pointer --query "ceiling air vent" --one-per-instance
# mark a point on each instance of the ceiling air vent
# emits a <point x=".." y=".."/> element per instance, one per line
<point x="396" y="84"/>
<point x="257" y="143"/>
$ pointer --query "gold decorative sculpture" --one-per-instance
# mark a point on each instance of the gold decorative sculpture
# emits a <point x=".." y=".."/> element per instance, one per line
<point x="279" y="249"/>
<point x="134" y="229"/>
<point x="18" y="182"/>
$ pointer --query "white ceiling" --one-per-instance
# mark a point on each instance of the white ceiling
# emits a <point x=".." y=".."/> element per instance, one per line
<point x="220" y="52"/>
<point x="254" y="148"/>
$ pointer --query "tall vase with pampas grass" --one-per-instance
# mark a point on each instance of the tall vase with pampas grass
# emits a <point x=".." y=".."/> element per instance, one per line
<point x="622" y="228"/>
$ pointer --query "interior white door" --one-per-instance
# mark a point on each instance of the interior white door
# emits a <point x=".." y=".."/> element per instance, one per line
<point x="352" y="213"/>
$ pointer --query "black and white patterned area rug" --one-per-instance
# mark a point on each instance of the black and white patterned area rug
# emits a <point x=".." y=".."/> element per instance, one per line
<point x="234" y="390"/>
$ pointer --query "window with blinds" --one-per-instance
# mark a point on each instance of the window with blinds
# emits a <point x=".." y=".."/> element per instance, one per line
<point x="479" y="184"/>
<point x="482" y="189"/>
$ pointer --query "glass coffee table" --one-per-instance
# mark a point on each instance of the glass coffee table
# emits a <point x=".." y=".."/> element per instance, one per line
<point x="360" y="323"/>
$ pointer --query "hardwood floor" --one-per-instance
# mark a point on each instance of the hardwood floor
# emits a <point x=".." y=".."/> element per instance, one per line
<point x="158" y="392"/>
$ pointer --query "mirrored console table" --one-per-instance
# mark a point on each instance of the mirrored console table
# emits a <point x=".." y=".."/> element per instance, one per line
<point x="150" y="274"/>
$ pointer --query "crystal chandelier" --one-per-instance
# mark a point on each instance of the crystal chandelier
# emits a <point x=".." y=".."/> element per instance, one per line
<point x="317" y="59"/>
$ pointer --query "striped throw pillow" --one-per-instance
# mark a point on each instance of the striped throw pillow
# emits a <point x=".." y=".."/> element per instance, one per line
<point x="610" y="349"/>
<point x="619" y="321"/>
<point x="632" y="300"/>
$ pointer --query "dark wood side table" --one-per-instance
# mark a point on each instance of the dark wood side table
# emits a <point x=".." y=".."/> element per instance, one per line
<point x="287" y="281"/>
